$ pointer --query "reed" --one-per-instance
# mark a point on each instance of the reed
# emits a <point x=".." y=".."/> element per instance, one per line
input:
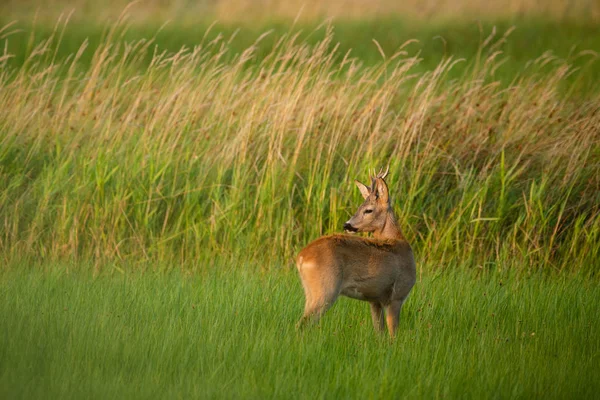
<point x="201" y="153"/>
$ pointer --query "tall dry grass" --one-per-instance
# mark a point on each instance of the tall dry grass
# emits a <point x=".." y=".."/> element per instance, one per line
<point x="193" y="157"/>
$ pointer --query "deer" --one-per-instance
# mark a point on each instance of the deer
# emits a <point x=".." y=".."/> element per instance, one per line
<point x="379" y="269"/>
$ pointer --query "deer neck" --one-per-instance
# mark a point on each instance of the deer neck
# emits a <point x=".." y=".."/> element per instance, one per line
<point x="390" y="229"/>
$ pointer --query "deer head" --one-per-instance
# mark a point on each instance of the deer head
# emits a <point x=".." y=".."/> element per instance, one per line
<point x="372" y="215"/>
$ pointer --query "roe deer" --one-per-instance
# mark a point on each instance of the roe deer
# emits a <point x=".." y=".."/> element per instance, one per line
<point x="380" y="270"/>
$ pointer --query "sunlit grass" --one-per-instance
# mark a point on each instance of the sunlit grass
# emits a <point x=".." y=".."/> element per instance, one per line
<point x="153" y="196"/>
<point x="198" y="154"/>
<point x="253" y="11"/>
<point x="226" y="332"/>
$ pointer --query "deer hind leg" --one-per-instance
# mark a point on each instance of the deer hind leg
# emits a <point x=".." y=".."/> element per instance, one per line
<point x="321" y="291"/>
<point x="314" y="310"/>
<point x="392" y="316"/>
<point x="377" y="316"/>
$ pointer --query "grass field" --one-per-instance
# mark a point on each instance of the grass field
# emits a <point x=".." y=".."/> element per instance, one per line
<point x="156" y="184"/>
<point x="432" y="41"/>
<point x="229" y="333"/>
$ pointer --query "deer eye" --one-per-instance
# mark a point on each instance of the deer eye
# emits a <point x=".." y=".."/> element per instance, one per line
<point x="368" y="211"/>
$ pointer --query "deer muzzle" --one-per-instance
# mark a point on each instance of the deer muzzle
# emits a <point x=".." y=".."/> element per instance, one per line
<point x="349" y="228"/>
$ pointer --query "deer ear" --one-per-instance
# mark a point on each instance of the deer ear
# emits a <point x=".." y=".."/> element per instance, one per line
<point x="364" y="190"/>
<point x="381" y="190"/>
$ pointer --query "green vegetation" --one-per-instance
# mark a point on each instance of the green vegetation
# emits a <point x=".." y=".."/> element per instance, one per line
<point x="528" y="40"/>
<point x="155" y="186"/>
<point x="229" y="333"/>
<point x="202" y="153"/>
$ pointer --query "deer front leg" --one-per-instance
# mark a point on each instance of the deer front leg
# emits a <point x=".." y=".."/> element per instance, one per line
<point x="392" y="315"/>
<point x="377" y="316"/>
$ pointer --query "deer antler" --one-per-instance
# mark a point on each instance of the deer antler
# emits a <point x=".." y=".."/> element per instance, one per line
<point x="382" y="174"/>
<point x="373" y="176"/>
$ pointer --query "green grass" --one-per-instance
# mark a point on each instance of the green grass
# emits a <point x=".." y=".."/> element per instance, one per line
<point x="153" y="196"/>
<point x="227" y="332"/>
<point x="207" y="152"/>
<point x="530" y="39"/>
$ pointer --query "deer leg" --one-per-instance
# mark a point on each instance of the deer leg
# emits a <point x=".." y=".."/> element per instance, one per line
<point x="321" y="288"/>
<point x="392" y="316"/>
<point x="315" y="308"/>
<point x="320" y="295"/>
<point x="377" y="316"/>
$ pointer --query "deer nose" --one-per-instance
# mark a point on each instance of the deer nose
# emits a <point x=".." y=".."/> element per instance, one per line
<point x="349" y="228"/>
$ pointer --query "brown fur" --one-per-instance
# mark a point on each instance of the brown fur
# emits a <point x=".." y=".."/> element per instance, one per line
<point x="380" y="270"/>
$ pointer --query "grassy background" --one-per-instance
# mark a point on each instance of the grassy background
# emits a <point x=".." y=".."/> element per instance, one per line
<point x="253" y="11"/>
<point x="228" y="333"/>
<point x="155" y="185"/>
<point x="212" y="151"/>
<point x="433" y="41"/>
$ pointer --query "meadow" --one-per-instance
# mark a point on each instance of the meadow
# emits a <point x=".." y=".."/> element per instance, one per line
<point x="157" y="181"/>
<point x="228" y="332"/>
